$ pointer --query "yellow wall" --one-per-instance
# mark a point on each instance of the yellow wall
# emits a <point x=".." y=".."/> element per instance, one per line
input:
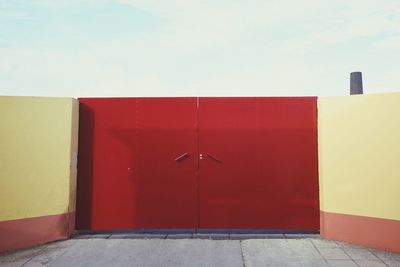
<point x="38" y="149"/>
<point x="359" y="155"/>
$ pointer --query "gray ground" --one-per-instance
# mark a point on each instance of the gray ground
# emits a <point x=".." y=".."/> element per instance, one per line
<point x="201" y="250"/>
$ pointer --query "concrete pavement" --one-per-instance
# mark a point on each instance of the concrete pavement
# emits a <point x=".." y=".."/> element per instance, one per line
<point x="202" y="250"/>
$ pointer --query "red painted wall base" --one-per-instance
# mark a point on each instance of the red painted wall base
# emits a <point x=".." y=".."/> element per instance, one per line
<point x="28" y="232"/>
<point x="366" y="231"/>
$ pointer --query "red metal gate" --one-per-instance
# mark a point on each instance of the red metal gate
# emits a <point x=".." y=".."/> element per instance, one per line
<point x="127" y="174"/>
<point x="231" y="163"/>
<point x="259" y="167"/>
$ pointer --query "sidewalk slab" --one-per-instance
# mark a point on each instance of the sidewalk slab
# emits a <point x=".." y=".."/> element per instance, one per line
<point x="179" y="236"/>
<point x="145" y="236"/>
<point x="152" y="252"/>
<point x="256" y="236"/>
<point x="176" y="251"/>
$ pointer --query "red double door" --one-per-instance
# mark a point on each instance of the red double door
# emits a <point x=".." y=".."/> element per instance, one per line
<point x="190" y="163"/>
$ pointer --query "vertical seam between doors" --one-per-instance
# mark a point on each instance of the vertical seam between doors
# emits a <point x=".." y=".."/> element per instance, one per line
<point x="198" y="161"/>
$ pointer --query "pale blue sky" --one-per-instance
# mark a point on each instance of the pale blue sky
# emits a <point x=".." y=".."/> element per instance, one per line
<point x="197" y="48"/>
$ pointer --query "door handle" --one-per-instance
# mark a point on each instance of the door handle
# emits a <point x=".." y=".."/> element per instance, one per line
<point x="214" y="158"/>
<point x="182" y="157"/>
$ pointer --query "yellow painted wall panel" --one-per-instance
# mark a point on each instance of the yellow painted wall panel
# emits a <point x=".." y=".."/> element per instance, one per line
<point x="35" y="156"/>
<point x="359" y="155"/>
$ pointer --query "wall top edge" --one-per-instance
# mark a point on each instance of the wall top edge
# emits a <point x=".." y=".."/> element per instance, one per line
<point x="37" y="97"/>
<point x="170" y="97"/>
<point x="361" y="95"/>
